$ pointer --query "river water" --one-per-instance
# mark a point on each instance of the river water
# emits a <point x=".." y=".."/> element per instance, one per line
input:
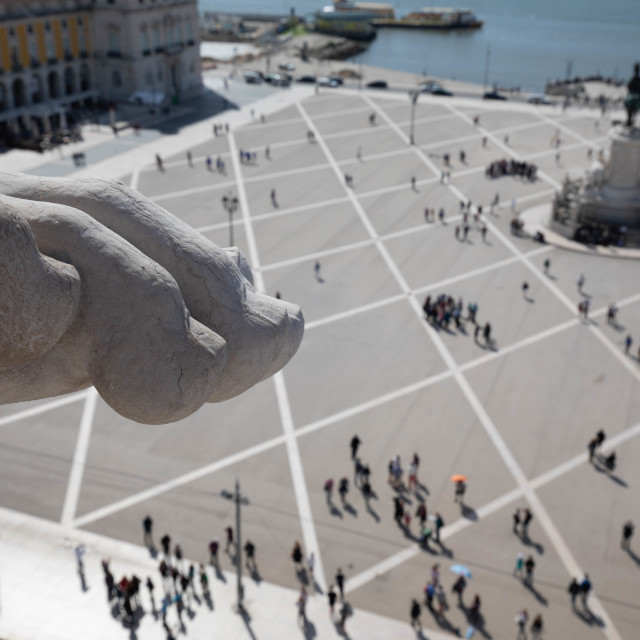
<point x="527" y="42"/>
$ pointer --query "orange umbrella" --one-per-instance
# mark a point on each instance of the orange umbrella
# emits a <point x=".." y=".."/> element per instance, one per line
<point x="458" y="478"/>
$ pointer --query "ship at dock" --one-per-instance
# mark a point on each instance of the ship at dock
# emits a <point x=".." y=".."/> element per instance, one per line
<point x="432" y="18"/>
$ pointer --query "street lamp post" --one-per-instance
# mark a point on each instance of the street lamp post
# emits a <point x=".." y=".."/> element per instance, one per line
<point x="230" y="203"/>
<point x="413" y="96"/>
<point x="238" y="499"/>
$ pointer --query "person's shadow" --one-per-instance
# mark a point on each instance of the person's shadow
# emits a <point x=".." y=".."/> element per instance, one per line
<point x="220" y="575"/>
<point x="349" y="508"/>
<point x="633" y="555"/>
<point x="255" y="574"/>
<point x="373" y="514"/>
<point x="468" y="512"/>
<point x="588" y="617"/>
<point x="309" y="630"/>
<point x="538" y="596"/>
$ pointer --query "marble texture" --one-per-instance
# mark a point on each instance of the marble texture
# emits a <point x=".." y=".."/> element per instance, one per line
<point x="102" y="287"/>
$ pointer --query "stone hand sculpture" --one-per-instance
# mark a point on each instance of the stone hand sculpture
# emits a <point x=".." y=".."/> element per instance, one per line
<point x="99" y="286"/>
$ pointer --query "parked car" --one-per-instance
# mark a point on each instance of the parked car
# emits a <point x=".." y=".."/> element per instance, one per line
<point x="286" y="66"/>
<point x="278" y="79"/>
<point x="377" y="84"/>
<point x="539" y="98"/>
<point x="252" y="77"/>
<point x="326" y="81"/>
<point x="307" y="79"/>
<point x="493" y="95"/>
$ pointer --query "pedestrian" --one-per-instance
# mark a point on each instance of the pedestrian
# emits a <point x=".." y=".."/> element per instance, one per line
<point x="343" y="489"/>
<point x="600" y="438"/>
<point x="229" y="533"/>
<point x="474" y="609"/>
<point x="547" y="264"/>
<point x="439" y="524"/>
<point x="159" y="162"/>
<point x="457" y="232"/>
<point x="354" y="444"/>
<point x="311" y="563"/>
<point x="358" y="469"/>
<point x="528" y="517"/>
<point x="521" y="620"/>
<point x="151" y="587"/>
<point x="79" y="550"/>
<point x="204" y="581"/>
<point x="574" y="590"/>
<point x="412" y="482"/>
<point x="461" y="487"/>
<point x="328" y="489"/>
<point x="331" y="595"/>
<point x="585" y="588"/>
<point x="415" y="615"/>
<point x="458" y="587"/>
<point x="516" y="520"/>
<point x="296" y="556"/>
<point x="441" y="215"/>
<point x="580" y="282"/>
<point x="627" y="343"/>
<point x="483" y="231"/>
<point x="302" y="606"/>
<point x="213" y="552"/>
<point x="274" y="202"/>
<point x="429" y="592"/>
<point x="441" y="599"/>
<point x="147" y="527"/>
<point x="316" y="268"/>
<point x="413" y="183"/>
<point x="435" y="574"/>
<point x="525" y="289"/>
<point x="536" y="627"/>
<point x="398" y="510"/>
<point x="208" y="163"/>
<point x="517" y="570"/>
<point x="165" y="542"/>
<point x="487" y="333"/>
<point x="529" y="566"/>
<point x="593" y="443"/>
<point x="177" y="552"/>
<point x="189" y="159"/>
<point x="250" y="551"/>
<point x="421" y="514"/>
<point x="267" y="153"/>
<point x="340" y="583"/>
<point x="465" y="232"/>
<point x="627" y="534"/>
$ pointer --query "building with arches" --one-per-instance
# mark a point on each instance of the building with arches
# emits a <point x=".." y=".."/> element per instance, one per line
<point x="59" y="56"/>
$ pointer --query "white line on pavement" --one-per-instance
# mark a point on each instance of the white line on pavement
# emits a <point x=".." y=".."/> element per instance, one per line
<point x="179" y="481"/>
<point x="79" y="458"/>
<point x="293" y="451"/>
<point x="42" y="408"/>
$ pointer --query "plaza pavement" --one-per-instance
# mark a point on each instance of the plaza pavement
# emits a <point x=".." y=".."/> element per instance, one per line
<point x="514" y="417"/>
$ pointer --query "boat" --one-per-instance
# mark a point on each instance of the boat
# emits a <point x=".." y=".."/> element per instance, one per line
<point x="433" y="18"/>
<point x="377" y="9"/>
<point x="355" y="24"/>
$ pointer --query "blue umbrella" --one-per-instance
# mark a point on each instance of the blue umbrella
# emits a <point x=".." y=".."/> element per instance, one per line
<point x="461" y="570"/>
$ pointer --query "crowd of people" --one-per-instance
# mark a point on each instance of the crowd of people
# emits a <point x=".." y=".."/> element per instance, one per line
<point x="510" y="167"/>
